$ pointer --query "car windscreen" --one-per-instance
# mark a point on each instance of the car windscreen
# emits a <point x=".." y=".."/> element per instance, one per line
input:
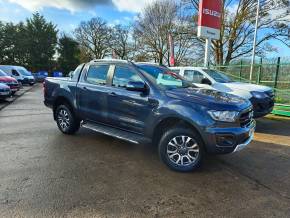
<point x="218" y="76"/>
<point x="2" y="73"/>
<point x="164" y="78"/>
<point x="24" y="72"/>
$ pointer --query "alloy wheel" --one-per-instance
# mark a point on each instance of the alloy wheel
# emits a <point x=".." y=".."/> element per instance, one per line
<point x="63" y="119"/>
<point x="183" y="150"/>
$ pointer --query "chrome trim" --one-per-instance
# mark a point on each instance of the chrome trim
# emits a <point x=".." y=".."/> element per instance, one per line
<point x="246" y="143"/>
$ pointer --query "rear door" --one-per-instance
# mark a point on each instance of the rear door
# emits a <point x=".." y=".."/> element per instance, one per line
<point x="92" y="93"/>
<point x="127" y="110"/>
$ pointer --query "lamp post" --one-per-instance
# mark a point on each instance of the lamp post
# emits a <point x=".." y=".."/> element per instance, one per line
<point x="255" y="40"/>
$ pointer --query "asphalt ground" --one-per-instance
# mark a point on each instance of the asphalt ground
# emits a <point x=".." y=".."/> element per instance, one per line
<point x="44" y="173"/>
<point x="7" y="101"/>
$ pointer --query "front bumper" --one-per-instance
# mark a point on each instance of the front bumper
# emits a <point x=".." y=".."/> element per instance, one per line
<point x="227" y="140"/>
<point x="246" y="143"/>
<point x="14" y="88"/>
<point x="28" y="81"/>
<point x="262" y="107"/>
<point x="5" y="94"/>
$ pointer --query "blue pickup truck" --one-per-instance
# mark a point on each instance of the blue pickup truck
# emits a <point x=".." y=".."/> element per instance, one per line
<point x="146" y="103"/>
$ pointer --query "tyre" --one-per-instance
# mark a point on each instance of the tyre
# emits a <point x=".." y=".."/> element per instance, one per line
<point x="181" y="149"/>
<point x="66" y="121"/>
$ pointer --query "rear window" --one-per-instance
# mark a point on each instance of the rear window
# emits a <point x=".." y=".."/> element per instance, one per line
<point x="97" y="74"/>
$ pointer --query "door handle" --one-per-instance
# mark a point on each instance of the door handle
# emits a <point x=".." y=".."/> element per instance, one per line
<point x="85" y="88"/>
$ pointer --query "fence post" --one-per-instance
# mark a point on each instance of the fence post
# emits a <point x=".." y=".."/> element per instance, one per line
<point x="277" y="72"/>
<point x="260" y="71"/>
<point x="241" y="68"/>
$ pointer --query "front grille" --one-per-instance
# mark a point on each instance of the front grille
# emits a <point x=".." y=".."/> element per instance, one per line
<point x="246" y="118"/>
<point x="4" y="90"/>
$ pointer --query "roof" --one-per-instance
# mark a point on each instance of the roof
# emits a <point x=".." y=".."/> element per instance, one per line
<point x="109" y="60"/>
<point x="189" y="68"/>
<point x="151" y="63"/>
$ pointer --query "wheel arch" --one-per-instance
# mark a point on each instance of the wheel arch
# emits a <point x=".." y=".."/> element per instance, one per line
<point x="171" y="122"/>
<point x="62" y="100"/>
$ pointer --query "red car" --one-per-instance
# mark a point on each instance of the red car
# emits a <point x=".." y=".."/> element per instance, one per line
<point x="9" y="81"/>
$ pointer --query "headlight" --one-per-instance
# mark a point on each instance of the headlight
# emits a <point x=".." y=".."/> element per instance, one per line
<point x="259" y="94"/>
<point x="224" y="116"/>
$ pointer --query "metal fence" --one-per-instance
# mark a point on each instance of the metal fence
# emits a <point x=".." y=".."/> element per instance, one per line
<point x="274" y="74"/>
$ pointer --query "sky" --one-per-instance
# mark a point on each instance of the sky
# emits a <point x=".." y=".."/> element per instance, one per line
<point x="67" y="14"/>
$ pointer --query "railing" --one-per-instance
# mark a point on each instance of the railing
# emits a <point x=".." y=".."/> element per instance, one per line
<point x="275" y="75"/>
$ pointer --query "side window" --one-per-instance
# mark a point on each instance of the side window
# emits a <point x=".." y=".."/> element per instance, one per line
<point x="123" y="75"/>
<point x="15" y="73"/>
<point x="97" y="74"/>
<point x="193" y="76"/>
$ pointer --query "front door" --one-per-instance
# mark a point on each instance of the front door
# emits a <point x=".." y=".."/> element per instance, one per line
<point x="127" y="110"/>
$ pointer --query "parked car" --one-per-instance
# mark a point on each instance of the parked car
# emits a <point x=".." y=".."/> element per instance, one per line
<point x="40" y="76"/>
<point x="9" y="81"/>
<point x="19" y="73"/>
<point x="143" y="103"/>
<point x="262" y="97"/>
<point x="5" y="91"/>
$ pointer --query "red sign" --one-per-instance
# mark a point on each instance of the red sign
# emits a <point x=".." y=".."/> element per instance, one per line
<point x="172" y="61"/>
<point x="171" y="49"/>
<point x="209" y="18"/>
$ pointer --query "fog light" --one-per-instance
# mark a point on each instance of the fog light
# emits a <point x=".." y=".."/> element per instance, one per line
<point x="225" y="140"/>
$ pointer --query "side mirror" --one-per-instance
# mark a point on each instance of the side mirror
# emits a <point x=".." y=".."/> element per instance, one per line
<point x="206" y="81"/>
<point x="136" y="86"/>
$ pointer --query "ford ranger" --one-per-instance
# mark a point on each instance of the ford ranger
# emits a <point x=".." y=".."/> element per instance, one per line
<point x="146" y="103"/>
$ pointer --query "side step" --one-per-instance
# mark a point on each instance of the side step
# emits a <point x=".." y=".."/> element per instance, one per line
<point x="116" y="133"/>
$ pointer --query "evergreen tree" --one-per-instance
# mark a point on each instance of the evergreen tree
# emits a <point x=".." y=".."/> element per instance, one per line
<point x="41" y="42"/>
<point x="69" y="52"/>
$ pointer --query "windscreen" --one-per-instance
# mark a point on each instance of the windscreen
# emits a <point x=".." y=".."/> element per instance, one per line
<point x="2" y="73"/>
<point x="24" y="72"/>
<point x="164" y="78"/>
<point x="218" y="76"/>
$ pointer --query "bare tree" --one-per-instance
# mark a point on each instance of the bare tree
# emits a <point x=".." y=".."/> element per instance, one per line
<point x="153" y="26"/>
<point x="237" y="30"/>
<point x="188" y="48"/>
<point x="120" y="42"/>
<point x="94" y="37"/>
